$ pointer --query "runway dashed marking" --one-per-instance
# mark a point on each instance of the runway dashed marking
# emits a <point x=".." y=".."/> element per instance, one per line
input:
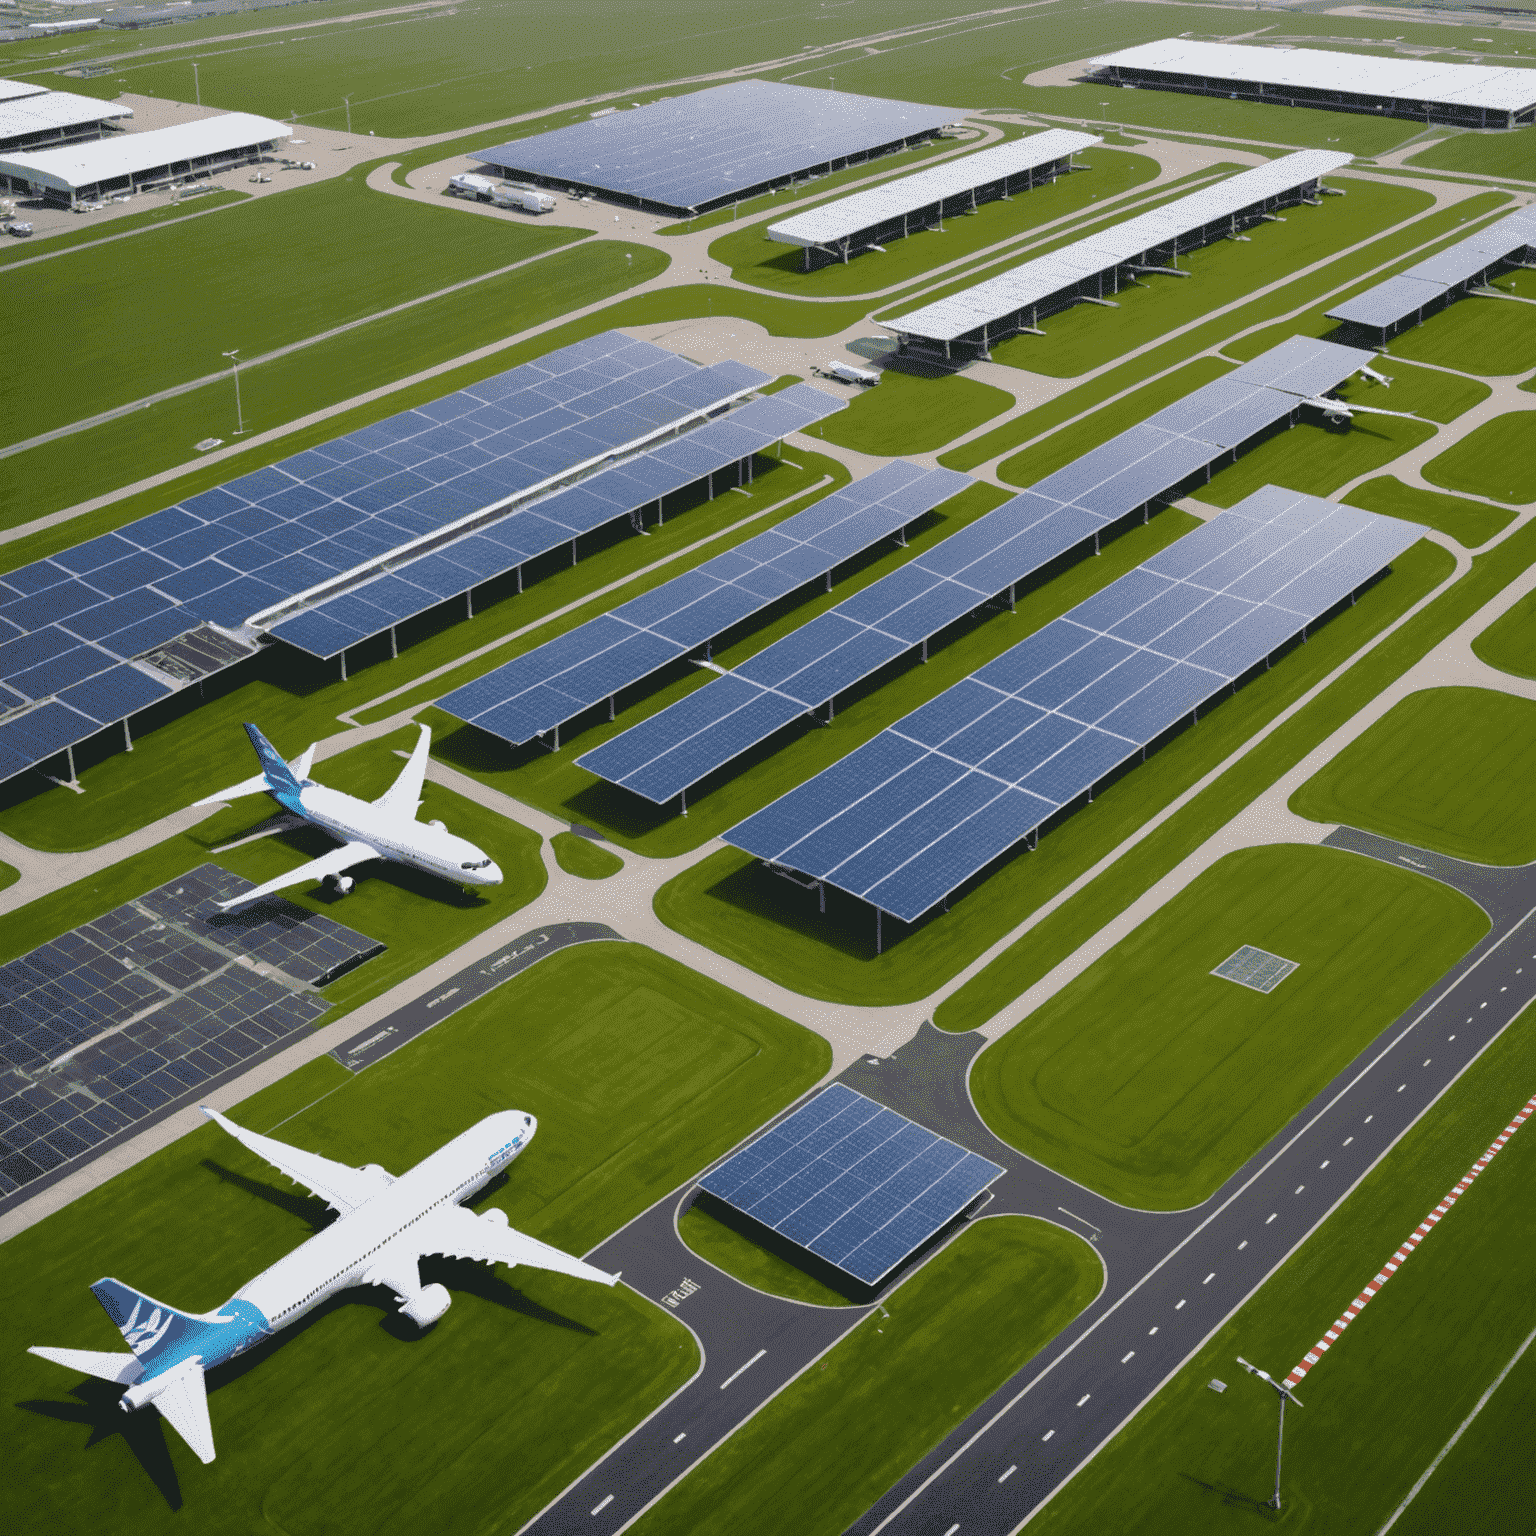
<point x="604" y="1505"/>
<point x="1011" y="1470"/>
<point x="1084" y="1398"/>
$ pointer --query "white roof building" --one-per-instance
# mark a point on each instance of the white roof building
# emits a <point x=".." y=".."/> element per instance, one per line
<point x="55" y="115"/>
<point x="1319" y="77"/>
<point x="183" y="149"/>
<point x="14" y="90"/>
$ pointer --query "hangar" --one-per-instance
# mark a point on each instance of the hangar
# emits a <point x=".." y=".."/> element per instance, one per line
<point x="40" y="119"/>
<point x="84" y="173"/>
<point x="684" y="155"/>
<point x="842" y="228"/>
<point x="1468" y="95"/>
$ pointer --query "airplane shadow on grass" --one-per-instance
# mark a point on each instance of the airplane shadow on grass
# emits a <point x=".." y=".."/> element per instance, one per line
<point x="1234" y="1497"/>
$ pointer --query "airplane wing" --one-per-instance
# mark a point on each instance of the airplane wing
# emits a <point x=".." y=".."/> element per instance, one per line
<point x="341" y="1187"/>
<point x="183" y="1402"/>
<point x="460" y="1234"/>
<point x="331" y="863"/>
<point x="404" y="795"/>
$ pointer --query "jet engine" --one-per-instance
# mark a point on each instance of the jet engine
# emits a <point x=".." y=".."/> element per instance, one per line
<point x="427" y="1305"/>
<point x="342" y="884"/>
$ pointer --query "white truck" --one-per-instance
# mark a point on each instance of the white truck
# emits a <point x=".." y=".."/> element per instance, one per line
<point x="848" y="373"/>
<point x="524" y="198"/>
<point x="481" y="188"/>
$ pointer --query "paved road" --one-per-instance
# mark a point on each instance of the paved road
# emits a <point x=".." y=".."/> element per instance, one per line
<point x="1169" y="1288"/>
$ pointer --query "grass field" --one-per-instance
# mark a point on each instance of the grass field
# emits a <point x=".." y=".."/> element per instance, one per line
<point x="1423" y="392"/>
<point x="738" y="1255"/>
<point x="398" y="1427"/>
<point x="1509" y="643"/>
<point x="910" y="413"/>
<point x="755" y="258"/>
<point x="581" y="857"/>
<point x="1151" y="1080"/>
<point x="1470" y="523"/>
<point x="1392" y="1391"/>
<point x="1495" y="460"/>
<point x="1476" y="335"/>
<point x="1486" y="154"/>
<point x="1447" y="769"/>
<point x="1316" y="458"/>
<point x="745" y="912"/>
<point x="821" y="1452"/>
<point x="89" y="231"/>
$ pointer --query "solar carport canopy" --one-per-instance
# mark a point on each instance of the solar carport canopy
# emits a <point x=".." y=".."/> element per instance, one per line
<point x="1397" y="299"/>
<point x="661" y="757"/>
<point x="71" y="623"/>
<point x="908" y="817"/>
<point x="1317" y="69"/>
<point x="1133" y="241"/>
<point x="452" y="569"/>
<point x="852" y="1182"/>
<point x="848" y="216"/>
<point x="542" y="688"/>
<point x="690" y="152"/>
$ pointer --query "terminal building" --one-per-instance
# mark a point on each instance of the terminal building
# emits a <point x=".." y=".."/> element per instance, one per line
<point x="1091" y="269"/>
<point x="1467" y="95"/>
<point x="837" y="230"/>
<point x="685" y="155"/>
<point x="137" y="162"/>
<point x="1412" y="296"/>
<point x="33" y="117"/>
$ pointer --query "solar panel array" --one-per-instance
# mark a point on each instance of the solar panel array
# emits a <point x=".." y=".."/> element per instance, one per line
<point x="332" y="624"/>
<point x="912" y="814"/>
<point x="847" y="216"/>
<point x="663" y="756"/>
<point x="1135" y="241"/>
<point x="139" y="1008"/>
<point x="71" y="624"/>
<point x="1389" y="303"/>
<point x="852" y="1182"/>
<point x="539" y="690"/>
<point x="689" y="152"/>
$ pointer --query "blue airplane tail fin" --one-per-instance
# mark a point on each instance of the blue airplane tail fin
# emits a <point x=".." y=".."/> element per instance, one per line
<point x="279" y="775"/>
<point x="151" y="1329"/>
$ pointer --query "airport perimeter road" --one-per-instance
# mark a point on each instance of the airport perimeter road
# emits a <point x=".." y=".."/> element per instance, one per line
<point x="1041" y="1427"/>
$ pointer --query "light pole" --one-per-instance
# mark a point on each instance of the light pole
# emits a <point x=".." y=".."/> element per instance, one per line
<point x="1285" y="1394"/>
<point x="348" y="101"/>
<point x="234" y="359"/>
<point x="197" y="90"/>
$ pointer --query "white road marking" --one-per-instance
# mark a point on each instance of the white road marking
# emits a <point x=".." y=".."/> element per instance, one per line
<point x="1180" y="1305"/>
<point x="1270" y="1217"/>
<point x="1401" y="1086"/>
<point x="1084" y="1398"/>
<point x="1427" y="1060"/>
<point x="604" y="1505"/>
<point x="740" y="1368"/>
<point x="1240" y="1248"/>
<point x="1450" y="1037"/>
<point x="951" y="1531"/>
<point x="1300" y="1187"/>
<point x="678" y="1439"/>
<point x="1368" y="1119"/>
<point x="1348" y="1139"/>
<point x="1150" y="1332"/>
<point x="1011" y="1470"/>
<point x="1128" y="1355"/>
<point x="1209" y="1278"/>
<point x="1324" y="1164"/>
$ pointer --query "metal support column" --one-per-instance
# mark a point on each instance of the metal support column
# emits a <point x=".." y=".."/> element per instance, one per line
<point x="683" y="798"/>
<point x="879" y="936"/>
<point x="925" y="650"/>
<point x="519" y="581"/>
<point x="711" y="485"/>
<point x="127" y="739"/>
<point x="343" y="665"/>
<point x="394" y="649"/>
<point x="469" y="603"/>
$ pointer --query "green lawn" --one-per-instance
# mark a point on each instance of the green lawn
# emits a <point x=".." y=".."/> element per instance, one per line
<point x="1509" y="643"/>
<point x="908" y="413"/>
<point x="738" y="1255"/>
<point x="91" y="231"/>
<point x="755" y="258"/>
<point x="1419" y="391"/>
<point x="1386" y="1398"/>
<point x="1486" y="154"/>
<point x="1476" y="335"/>
<point x="740" y="909"/>
<point x="835" y="1439"/>
<point x="662" y="1071"/>
<point x="1088" y="336"/>
<point x="1470" y="523"/>
<point x="580" y="856"/>
<point x="1496" y="460"/>
<point x="1316" y="458"/>
<point x="1151" y="1080"/>
<point x="1448" y="769"/>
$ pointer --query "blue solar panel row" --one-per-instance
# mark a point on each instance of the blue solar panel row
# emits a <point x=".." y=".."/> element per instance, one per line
<point x="69" y="622"/>
<point x="545" y="687"/>
<point x="688" y="152"/>
<point x="852" y="1182"/>
<point x="909" y="816"/>
<point x="496" y="548"/>
<point x="662" y="757"/>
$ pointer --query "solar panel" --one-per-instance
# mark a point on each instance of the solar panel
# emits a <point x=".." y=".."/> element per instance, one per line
<point x="1042" y="280"/>
<point x="696" y="151"/>
<point x="330" y="626"/>
<point x="145" y="1004"/>
<point x="536" y="692"/>
<point x="852" y="1182"/>
<point x="1397" y="299"/>
<point x="266" y="537"/>
<point x="662" y="757"/>
<point x="909" y="816"/>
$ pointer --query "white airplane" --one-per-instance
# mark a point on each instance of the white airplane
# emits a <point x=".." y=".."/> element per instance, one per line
<point x="386" y="1226"/>
<point x="385" y="828"/>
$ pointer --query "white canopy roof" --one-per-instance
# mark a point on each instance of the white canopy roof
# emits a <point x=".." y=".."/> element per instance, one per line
<point x="947" y="319"/>
<point x="11" y="90"/>
<point x="54" y="110"/>
<point x="1463" y="85"/>
<point x="863" y="210"/>
<point x="83" y="165"/>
